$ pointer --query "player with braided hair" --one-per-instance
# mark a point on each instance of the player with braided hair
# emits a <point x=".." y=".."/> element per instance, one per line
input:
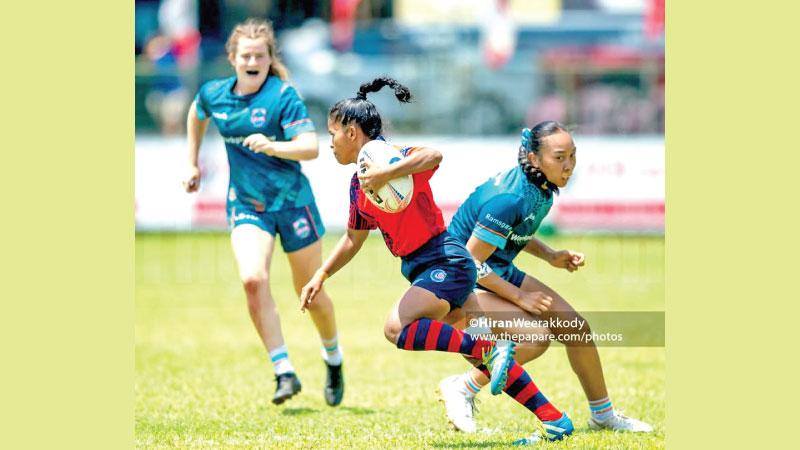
<point x="497" y="222"/>
<point x="440" y="269"/>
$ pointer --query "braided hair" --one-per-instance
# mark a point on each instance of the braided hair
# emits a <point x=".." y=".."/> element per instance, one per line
<point x="363" y="112"/>
<point x="531" y="143"/>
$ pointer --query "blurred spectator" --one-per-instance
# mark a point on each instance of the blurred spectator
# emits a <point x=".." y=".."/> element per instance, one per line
<point x="173" y="53"/>
<point x="498" y="34"/>
<point x="343" y="23"/>
<point x="178" y="20"/>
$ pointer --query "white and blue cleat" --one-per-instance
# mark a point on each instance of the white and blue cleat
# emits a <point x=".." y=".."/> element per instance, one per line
<point x="499" y="360"/>
<point x="555" y="429"/>
<point x="620" y="422"/>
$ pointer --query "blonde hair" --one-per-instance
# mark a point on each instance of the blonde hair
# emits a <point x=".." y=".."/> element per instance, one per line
<point x="253" y="29"/>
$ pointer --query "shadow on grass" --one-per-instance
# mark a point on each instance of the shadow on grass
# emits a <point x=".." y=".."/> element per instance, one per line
<point x="356" y="410"/>
<point x="299" y="411"/>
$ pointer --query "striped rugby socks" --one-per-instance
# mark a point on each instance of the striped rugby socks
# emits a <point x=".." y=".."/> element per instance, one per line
<point x="280" y="360"/>
<point x="427" y="334"/>
<point x="521" y="388"/>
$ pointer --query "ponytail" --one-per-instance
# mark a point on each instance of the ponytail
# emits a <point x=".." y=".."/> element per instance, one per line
<point x="363" y="112"/>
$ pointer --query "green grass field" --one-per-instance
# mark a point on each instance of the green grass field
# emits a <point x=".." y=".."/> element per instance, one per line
<point x="203" y="379"/>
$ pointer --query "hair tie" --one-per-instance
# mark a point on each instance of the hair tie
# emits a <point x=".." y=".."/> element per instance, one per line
<point x="527" y="138"/>
<point x="361" y="95"/>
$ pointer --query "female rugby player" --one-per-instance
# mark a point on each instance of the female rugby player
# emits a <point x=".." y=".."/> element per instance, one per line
<point x="497" y="222"/>
<point x="441" y="271"/>
<point x="266" y="131"/>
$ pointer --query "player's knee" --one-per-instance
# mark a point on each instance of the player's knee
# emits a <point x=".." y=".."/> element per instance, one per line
<point x="391" y="330"/>
<point x="578" y="324"/>
<point x="529" y="352"/>
<point x="254" y="281"/>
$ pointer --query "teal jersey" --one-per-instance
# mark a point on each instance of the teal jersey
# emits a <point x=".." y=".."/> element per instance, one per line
<point x="265" y="182"/>
<point x="505" y="211"/>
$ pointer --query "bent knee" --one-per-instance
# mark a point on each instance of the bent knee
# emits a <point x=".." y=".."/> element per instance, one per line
<point x="530" y="351"/>
<point x="254" y="281"/>
<point x="392" y="330"/>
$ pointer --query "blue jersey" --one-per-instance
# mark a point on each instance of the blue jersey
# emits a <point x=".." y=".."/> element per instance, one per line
<point x="265" y="182"/>
<point x="505" y="211"/>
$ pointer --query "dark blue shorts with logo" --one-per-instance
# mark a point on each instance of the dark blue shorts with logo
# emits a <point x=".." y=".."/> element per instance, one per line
<point x="297" y="227"/>
<point x="444" y="267"/>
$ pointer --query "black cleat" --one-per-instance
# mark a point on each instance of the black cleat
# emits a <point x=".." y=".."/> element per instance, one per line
<point x="288" y="386"/>
<point x="334" y="385"/>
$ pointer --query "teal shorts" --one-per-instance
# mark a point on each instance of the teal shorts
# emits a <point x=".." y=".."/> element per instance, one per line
<point x="508" y="272"/>
<point x="297" y="227"/>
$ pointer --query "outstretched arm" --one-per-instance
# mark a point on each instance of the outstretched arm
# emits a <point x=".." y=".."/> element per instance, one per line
<point x="563" y="259"/>
<point x="539" y="249"/>
<point x="344" y="251"/>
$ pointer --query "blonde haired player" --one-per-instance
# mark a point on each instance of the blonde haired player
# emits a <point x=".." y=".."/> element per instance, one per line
<point x="266" y="131"/>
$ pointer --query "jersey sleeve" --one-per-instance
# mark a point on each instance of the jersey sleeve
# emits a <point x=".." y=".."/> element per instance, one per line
<point x="497" y="219"/>
<point x="294" y="116"/>
<point x="201" y="103"/>
<point x="419" y="177"/>
<point x="358" y="220"/>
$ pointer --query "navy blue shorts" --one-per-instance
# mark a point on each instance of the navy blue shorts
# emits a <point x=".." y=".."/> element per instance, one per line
<point x="297" y="227"/>
<point x="444" y="267"/>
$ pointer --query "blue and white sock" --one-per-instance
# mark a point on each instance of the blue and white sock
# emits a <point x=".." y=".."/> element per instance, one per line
<point x="280" y="360"/>
<point x="331" y="352"/>
<point x="601" y="409"/>
<point x="469" y="387"/>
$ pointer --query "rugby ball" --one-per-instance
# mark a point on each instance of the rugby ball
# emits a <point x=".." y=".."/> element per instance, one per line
<point x="395" y="195"/>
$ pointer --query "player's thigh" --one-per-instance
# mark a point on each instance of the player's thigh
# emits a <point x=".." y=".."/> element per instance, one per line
<point x="416" y="303"/>
<point x="304" y="263"/>
<point x="252" y="248"/>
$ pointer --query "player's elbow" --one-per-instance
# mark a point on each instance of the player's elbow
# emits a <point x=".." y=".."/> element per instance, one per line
<point x="435" y="157"/>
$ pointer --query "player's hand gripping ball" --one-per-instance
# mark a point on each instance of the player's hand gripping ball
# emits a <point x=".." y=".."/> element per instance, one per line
<point x="396" y="194"/>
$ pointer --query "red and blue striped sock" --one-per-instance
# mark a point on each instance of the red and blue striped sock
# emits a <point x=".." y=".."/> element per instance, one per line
<point x="521" y="388"/>
<point x="428" y="334"/>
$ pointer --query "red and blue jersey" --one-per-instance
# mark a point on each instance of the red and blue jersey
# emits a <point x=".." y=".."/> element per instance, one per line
<point x="404" y="231"/>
